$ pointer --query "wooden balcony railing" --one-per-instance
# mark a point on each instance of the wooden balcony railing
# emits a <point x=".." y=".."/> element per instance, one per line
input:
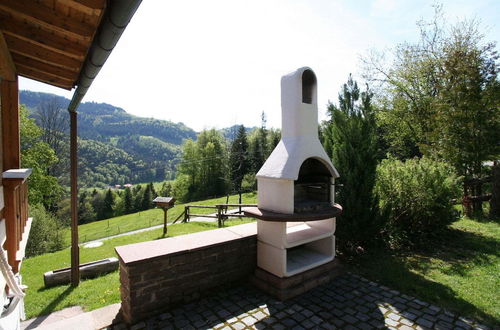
<point x="16" y="214"/>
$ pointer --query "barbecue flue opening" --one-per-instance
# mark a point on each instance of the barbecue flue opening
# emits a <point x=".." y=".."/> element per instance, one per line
<point x="312" y="188"/>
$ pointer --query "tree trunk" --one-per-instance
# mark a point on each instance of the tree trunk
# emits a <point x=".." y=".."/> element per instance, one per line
<point x="495" y="191"/>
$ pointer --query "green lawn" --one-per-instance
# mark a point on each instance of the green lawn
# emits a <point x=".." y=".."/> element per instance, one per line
<point x="92" y="293"/>
<point x="130" y="222"/>
<point x="460" y="272"/>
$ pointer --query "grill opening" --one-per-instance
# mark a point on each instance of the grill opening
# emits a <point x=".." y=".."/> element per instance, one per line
<point x="312" y="188"/>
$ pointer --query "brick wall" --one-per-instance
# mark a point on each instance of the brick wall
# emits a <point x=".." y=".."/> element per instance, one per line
<point x="159" y="274"/>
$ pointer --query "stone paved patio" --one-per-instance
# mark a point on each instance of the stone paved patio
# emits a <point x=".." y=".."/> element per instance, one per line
<point x="348" y="302"/>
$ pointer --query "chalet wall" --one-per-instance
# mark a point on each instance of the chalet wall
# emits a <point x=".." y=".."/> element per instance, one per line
<point x="159" y="274"/>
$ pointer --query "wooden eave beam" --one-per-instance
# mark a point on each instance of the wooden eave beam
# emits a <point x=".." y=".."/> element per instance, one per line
<point x="89" y="7"/>
<point x="47" y="78"/>
<point x="37" y="13"/>
<point x="25" y="48"/>
<point x="42" y="38"/>
<point x="7" y="67"/>
<point x="44" y="67"/>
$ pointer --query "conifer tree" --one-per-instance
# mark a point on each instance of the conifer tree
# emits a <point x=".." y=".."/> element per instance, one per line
<point x="350" y="139"/>
<point x="128" y="205"/>
<point x="238" y="158"/>
<point x="108" y="205"/>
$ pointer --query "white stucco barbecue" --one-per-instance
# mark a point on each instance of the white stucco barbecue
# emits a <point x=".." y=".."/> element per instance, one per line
<point x="298" y="171"/>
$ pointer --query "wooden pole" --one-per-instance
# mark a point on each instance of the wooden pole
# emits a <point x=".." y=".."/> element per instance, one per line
<point x="10" y="125"/>
<point x="75" y="249"/>
<point x="165" y="221"/>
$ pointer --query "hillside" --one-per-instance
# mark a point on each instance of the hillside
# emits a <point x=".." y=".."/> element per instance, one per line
<point x="116" y="147"/>
<point x="102" y="121"/>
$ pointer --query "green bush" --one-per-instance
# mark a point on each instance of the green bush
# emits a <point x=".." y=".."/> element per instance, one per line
<point x="45" y="235"/>
<point x="415" y="198"/>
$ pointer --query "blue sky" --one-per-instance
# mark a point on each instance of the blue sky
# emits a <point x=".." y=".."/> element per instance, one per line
<point x="219" y="63"/>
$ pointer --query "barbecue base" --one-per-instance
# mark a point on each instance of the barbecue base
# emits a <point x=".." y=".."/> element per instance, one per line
<point x="289" y="287"/>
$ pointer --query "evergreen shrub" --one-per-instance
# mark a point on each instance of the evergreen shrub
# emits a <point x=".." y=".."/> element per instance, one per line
<point x="415" y="199"/>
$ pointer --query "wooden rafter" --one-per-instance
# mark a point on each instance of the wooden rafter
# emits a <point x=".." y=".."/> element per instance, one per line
<point x="42" y="38"/>
<point x="29" y="72"/>
<point x="7" y="67"/>
<point x="22" y="47"/>
<point x="45" y="68"/>
<point x="38" y="14"/>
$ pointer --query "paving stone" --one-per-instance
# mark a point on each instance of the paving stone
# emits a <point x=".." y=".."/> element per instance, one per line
<point x="238" y="326"/>
<point x="377" y="324"/>
<point x="307" y="313"/>
<point x="298" y="317"/>
<point x="406" y="322"/>
<point x="288" y="323"/>
<point x="259" y="315"/>
<point x="363" y="317"/>
<point x="248" y="320"/>
<point x="298" y="327"/>
<point x="362" y="309"/>
<point x="280" y="315"/>
<point x="391" y="322"/>
<point x="278" y="326"/>
<point x="405" y="327"/>
<point x="413" y="304"/>
<point x="350" y="311"/>
<point x="199" y="324"/>
<point x="393" y="316"/>
<point x="444" y="325"/>
<point x="181" y="323"/>
<point x="425" y="323"/>
<point x="409" y="315"/>
<point x="338" y="322"/>
<point x="445" y="318"/>
<point x="316" y="319"/>
<point x="413" y="311"/>
<point x="431" y="318"/>
<point x="420" y="302"/>
<point x="165" y="316"/>
<point x="382" y="309"/>
<point x="349" y="319"/>
<point x="327" y="326"/>
<point x="460" y="323"/>
<point x="364" y="326"/>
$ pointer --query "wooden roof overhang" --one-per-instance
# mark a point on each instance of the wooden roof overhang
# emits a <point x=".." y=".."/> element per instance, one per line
<point x="48" y="40"/>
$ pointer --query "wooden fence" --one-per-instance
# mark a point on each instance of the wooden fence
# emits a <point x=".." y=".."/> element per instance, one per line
<point x="220" y="212"/>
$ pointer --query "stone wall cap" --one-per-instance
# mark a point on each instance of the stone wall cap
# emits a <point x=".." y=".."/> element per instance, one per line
<point x="182" y="244"/>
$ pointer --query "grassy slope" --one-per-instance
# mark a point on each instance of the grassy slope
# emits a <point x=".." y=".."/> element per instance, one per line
<point x="130" y="222"/>
<point x="92" y="293"/>
<point x="459" y="272"/>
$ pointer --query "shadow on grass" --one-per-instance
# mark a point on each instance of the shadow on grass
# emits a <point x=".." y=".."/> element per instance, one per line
<point x="50" y="307"/>
<point x="397" y="270"/>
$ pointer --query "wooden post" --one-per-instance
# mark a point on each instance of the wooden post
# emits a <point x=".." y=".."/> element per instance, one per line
<point x="186" y="213"/>
<point x="165" y="221"/>
<point x="75" y="249"/>
<point x="11" y="139"/>
<point x="239" y="201"/>
<point x="219" y="216"/>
